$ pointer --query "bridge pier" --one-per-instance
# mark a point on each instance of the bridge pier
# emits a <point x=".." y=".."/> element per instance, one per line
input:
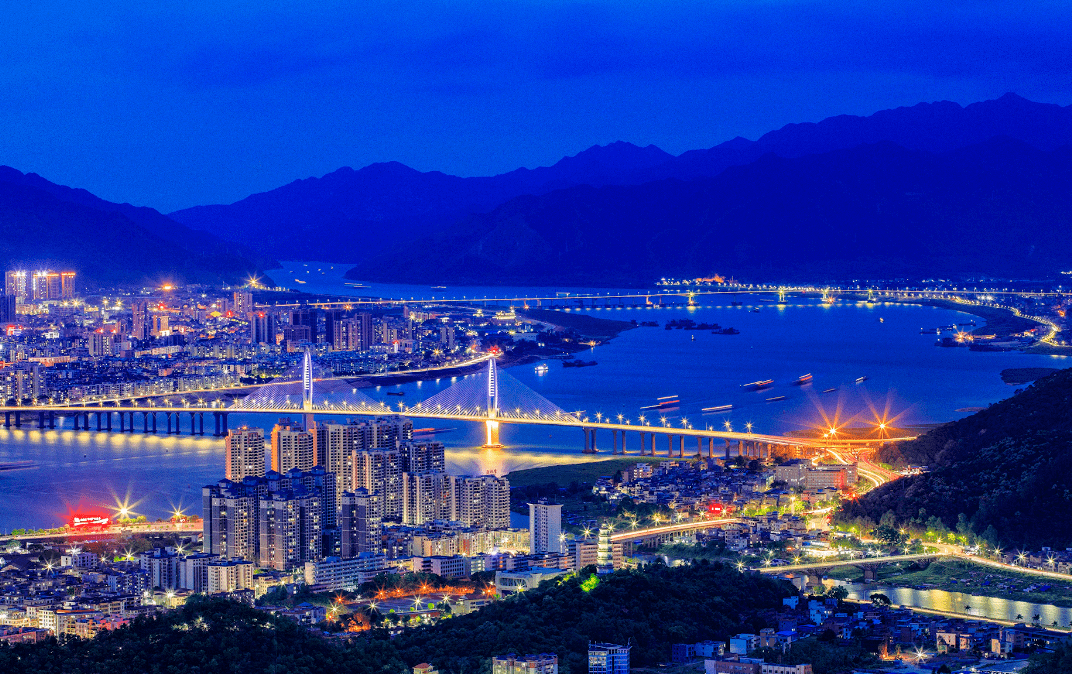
<point x="145" y="423"/>
<point x="870" y="572"/>
<point x="699" y="447"/>
<point x="710" y="448"/>
<point x="614" y="442"/>
<point x="7" y="419"/>
<point x="122" y="422"/>
<point x="589" y="440"/>
<point x="108" y="419"/>
<point x="154" y="423"/>
<point x="52" y="420"/>
<point x="623" y="442"/>
<point x="681" y="446"/>
<point x="40" y="421"/>
<point x="168" y="422"/>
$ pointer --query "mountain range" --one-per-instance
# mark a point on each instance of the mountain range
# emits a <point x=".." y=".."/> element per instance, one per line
<point x="43" y="224"/>
<point x="904" y="192"/>
<point x="935" y="188"/>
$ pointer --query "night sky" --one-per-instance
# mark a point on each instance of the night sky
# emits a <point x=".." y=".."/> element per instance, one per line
<point x="172" y="104"/>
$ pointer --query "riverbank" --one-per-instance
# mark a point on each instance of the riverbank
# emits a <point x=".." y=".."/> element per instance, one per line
<point x="1000" y="323"/>
<point x="588" y="471"/>
<point x="586" y="326"/>
<point x="968" y="578"/>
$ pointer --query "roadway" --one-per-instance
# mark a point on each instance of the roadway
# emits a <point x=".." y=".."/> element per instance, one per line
<point x="811" y="566"/>
<point x="648" y="296"/>
<point x="116" y="530"/>
<point x="503" y="418"/>
<point x="634" y="534"/>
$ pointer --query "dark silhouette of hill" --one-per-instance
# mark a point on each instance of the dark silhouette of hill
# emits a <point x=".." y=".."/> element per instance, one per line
<point x="873" y="211"/>
<point x="350" y="215"/>
<point x="106" y="243"/>
<point x="935" y="127"/>
<point x="1003" y="474"/>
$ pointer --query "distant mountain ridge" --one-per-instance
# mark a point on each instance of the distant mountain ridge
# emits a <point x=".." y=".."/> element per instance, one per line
<point x="108" y="243"/>
<point x="873" y="211"/>
<point x="373" y="213"/>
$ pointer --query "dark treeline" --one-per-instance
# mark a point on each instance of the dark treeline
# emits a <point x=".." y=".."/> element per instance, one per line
<point x="652" y="608"/>
<point x="1002" y="476"/>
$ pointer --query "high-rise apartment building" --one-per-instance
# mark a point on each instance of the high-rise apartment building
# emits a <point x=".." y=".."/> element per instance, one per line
<point x="230" y="519"/>
<point x="228" y="575"/>
<point x="141" y="323"/>
<point x="193" y="572"/>
<point x="379" y="471"/>
<point x="290" y="529"/>
<point x="334" y="448"/>
<point x="277" y="520"/>
<point x="262" y="327"/>
<point x="545" y="528"/>
<point x="292" y="447"/>
<point x="426" y="497"/>
<point x="446" y="338"/>
<point x="67" y="290"/>
<point x="161" y="325"/>
<point x="360" y="523"/>
<point x="391" y="431"/>
<point x="422" y="457"/>
<point x="8" y="309"/>
<point x="163" y="568"/>
<point x="22" y="381"/>
<point x="245" y="453"/>
<point x="243" y="302"/>
<point x="359" y="332"/>
<point x="482" y="501"/>
<point x="306" y="318"/>
<point x="17" y="285"/>
<point x="99" y="343"/>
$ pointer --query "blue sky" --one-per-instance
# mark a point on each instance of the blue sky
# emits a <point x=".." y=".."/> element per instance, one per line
<point x="171" y="104"/>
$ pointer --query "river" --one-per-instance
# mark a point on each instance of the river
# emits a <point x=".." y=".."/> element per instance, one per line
<point x="909" y="380"/>
<point x="956" y="602"/>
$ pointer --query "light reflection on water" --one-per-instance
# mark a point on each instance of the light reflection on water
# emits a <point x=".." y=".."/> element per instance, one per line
<point x="955" y="602"/>
<point x="838" y="344"/>
<point x="57" y="471"/>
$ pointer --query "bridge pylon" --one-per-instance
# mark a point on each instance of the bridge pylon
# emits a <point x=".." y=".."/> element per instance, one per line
<point x="307" y="390"/>
<point x="491" y="424"/>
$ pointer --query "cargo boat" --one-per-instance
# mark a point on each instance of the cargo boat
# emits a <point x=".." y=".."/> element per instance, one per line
<point x="718" y="408"/>
<point x="758" y="385"/>
<point x="803" y="379"/>
<point x="663" y="402"/>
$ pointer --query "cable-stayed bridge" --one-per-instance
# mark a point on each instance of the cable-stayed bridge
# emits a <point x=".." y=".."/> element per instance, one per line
<point x="492" y="397"/>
